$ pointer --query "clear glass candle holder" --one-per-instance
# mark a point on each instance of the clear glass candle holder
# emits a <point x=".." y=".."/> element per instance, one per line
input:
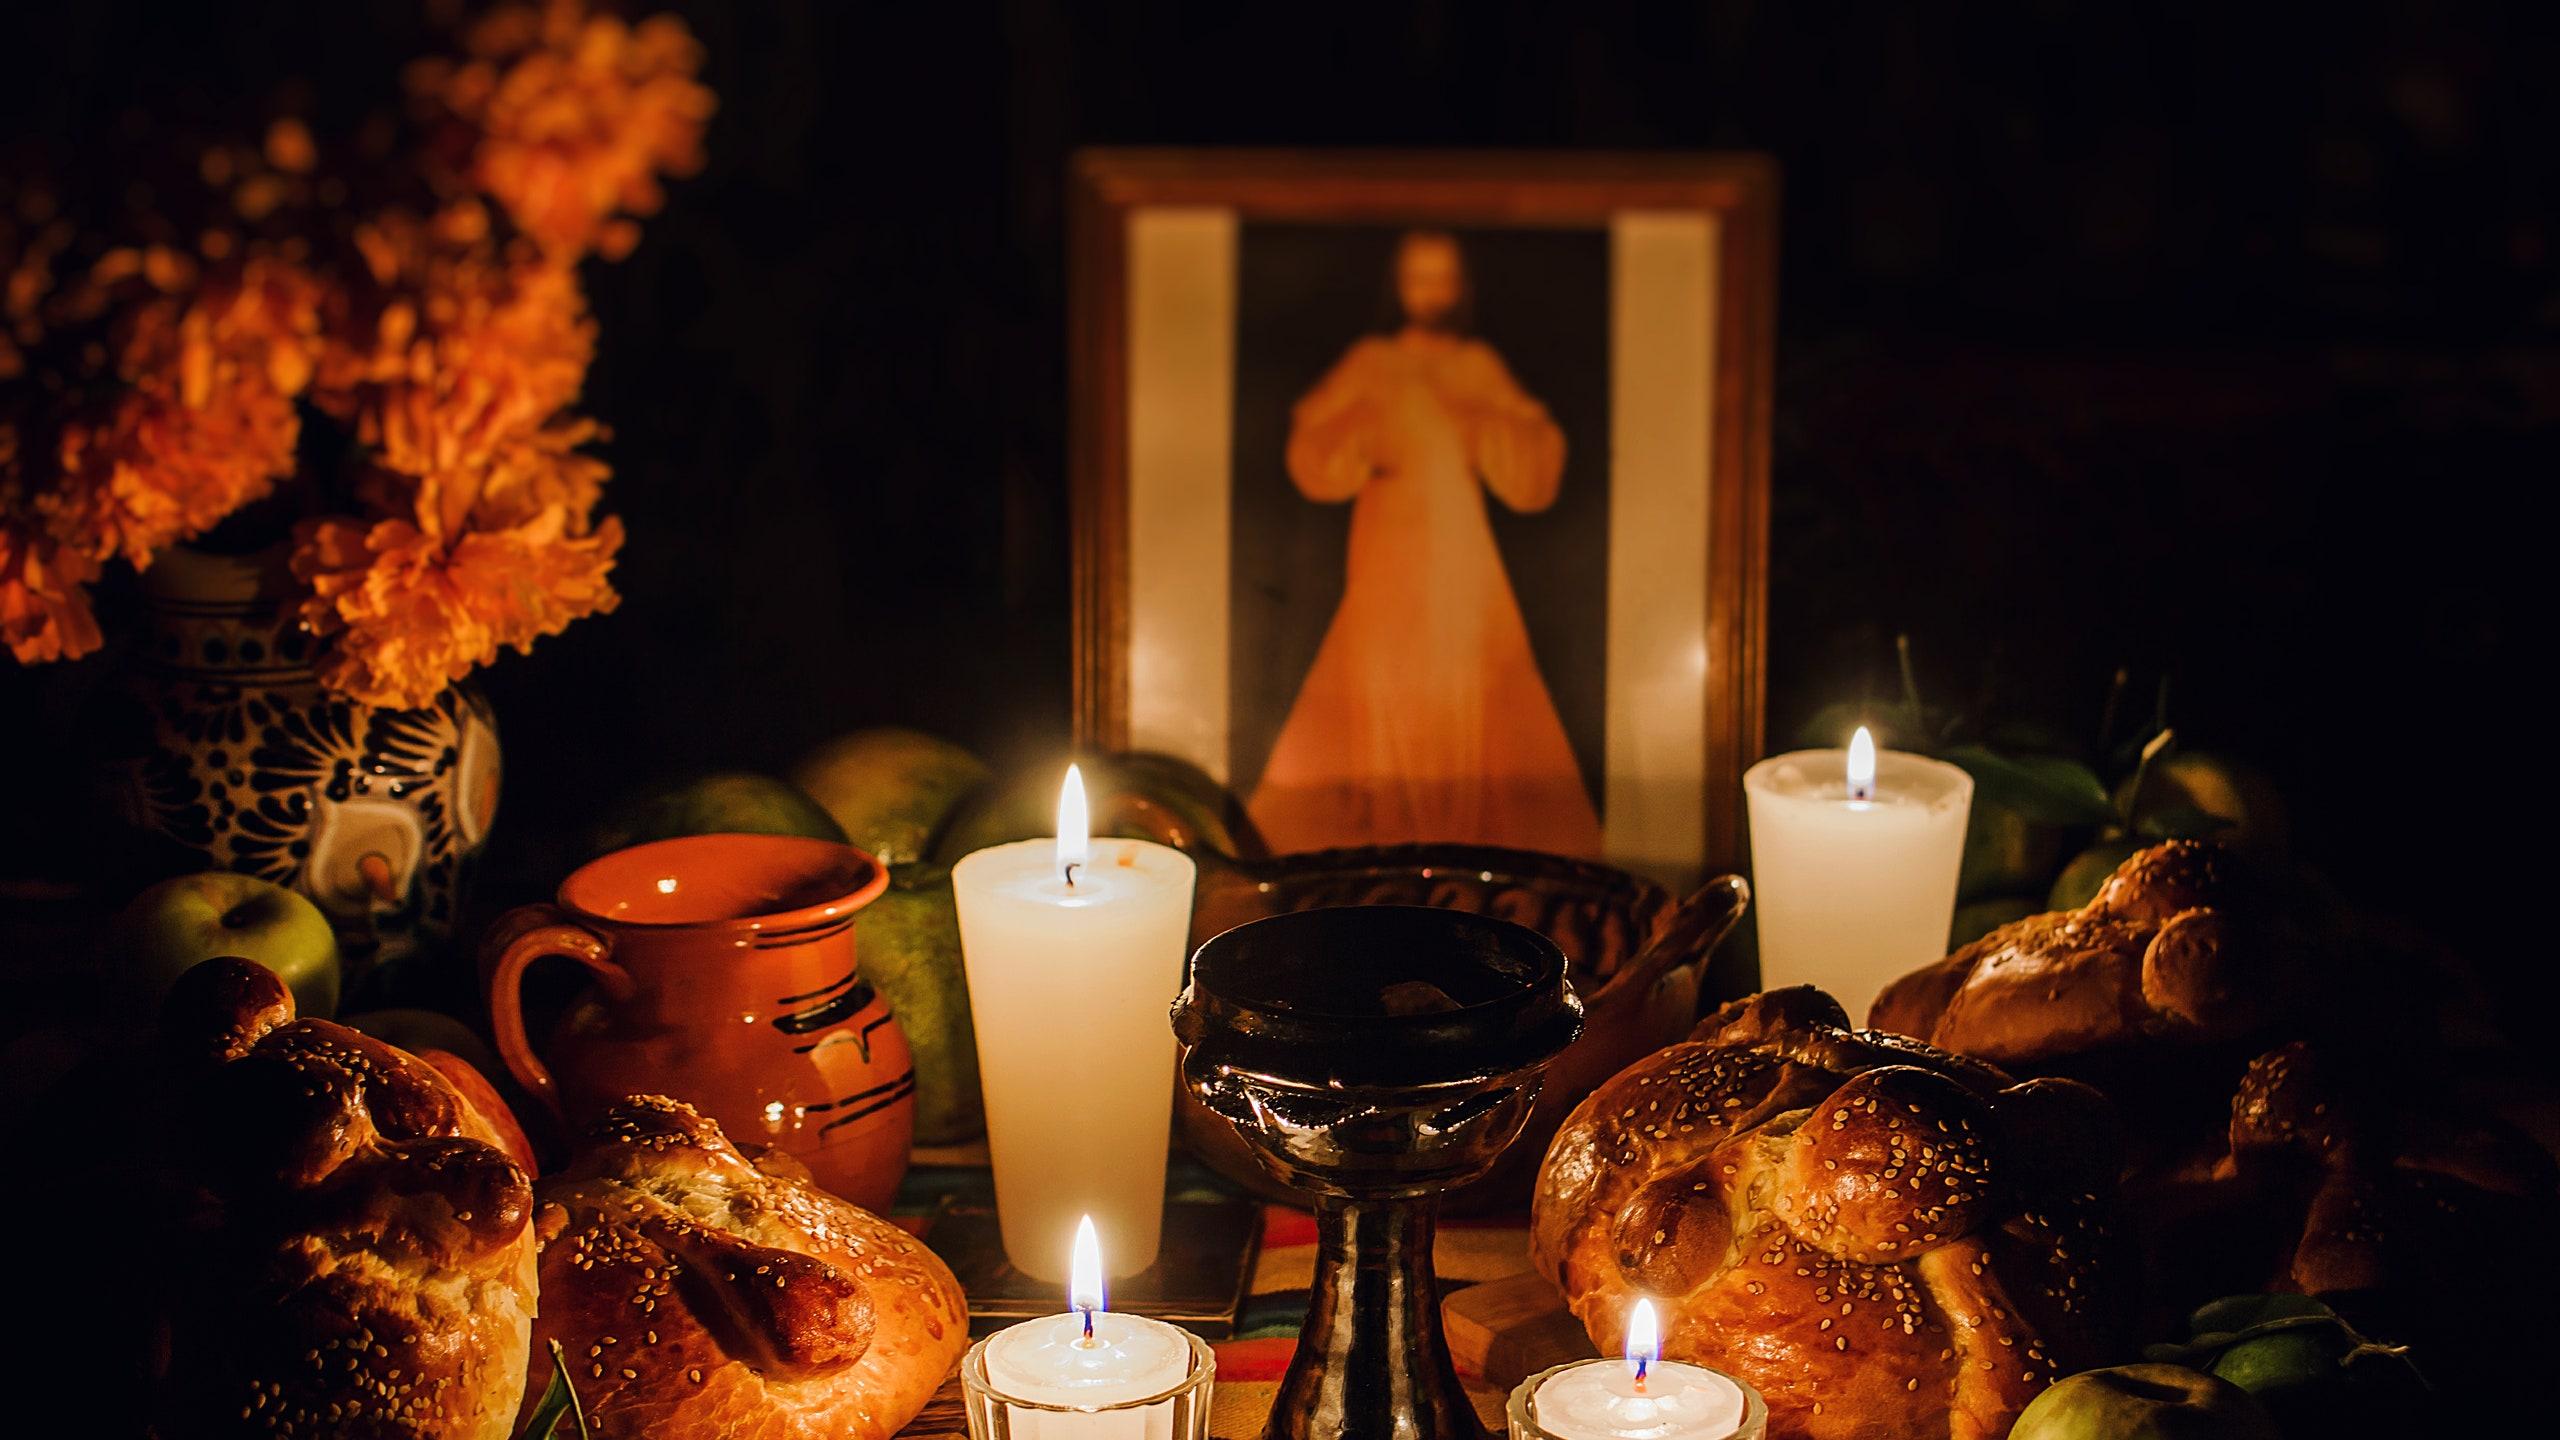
<point x="1178" y="1413"/>
<point x="1524" y="1408"/>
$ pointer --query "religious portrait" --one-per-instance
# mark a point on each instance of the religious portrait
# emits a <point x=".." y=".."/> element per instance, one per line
<point x="1420" y="505"/>
<point x="1426" y="712"/>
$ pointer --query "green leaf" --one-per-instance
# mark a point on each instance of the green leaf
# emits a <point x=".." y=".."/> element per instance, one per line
<point x="2046" y="789"/>
<point x="559" y="1402"/>
<point x="2025" y="737"/>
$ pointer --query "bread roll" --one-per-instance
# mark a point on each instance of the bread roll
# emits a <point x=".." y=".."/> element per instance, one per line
<point x="699" y="1297"/>
<point x="2155" y="956"/>
<point x="364" y="1258"/>
<point x="2296" y="1126"/>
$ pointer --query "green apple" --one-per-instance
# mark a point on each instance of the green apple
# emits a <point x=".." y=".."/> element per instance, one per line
<point x="890" y="788"/>
<point x="2144" y="1402"/>
<point x="177" y="924"/>
<point x="908" y="946"/>
<point x="725" y="803"/>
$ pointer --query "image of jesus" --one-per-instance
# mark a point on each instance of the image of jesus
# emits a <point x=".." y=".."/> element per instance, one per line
<point x="1424" y="716"/>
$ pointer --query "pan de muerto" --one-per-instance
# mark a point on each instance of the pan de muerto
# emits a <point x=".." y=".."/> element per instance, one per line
<point x="1884" y="1239"/>
<point x="2325" y="1129"/>
<point x="364" y="1258"/>
<point x="697" y="1296"/>
<point x="2160" y="954"/>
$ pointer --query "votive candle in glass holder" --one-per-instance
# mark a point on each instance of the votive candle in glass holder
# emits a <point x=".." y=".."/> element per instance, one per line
<point x="1642" y="1397"/>
<point x="1179" y="1412"/>
<point x="1088" y="1374"/>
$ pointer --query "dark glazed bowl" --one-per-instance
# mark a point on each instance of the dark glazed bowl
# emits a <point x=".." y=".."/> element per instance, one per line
<point x="1636" y="955"/>
<point x="1375" y="1049"/>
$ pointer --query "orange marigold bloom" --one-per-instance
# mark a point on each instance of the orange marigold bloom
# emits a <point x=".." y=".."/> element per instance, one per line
<point x="408" y="615"/>
<point x="448" y="342"/>
<point x="205" y="422"/>
<point x="494" y="549"/>
<point x="568" y="119"/>
<point x="455" y="346"/>
<point x="44" y="596"/>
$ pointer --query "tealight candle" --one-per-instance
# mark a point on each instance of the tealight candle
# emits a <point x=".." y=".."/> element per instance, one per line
<point x="1088" y="1374"/>
<point x="1644" y="1397"/>
<point x="1074" y="949"/>
<point x="1854" y="861"/>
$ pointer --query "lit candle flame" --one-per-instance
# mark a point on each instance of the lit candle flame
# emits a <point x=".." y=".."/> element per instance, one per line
<point x="1084" y="1274"/>
<point x="1644" y="1342"/>
<point x="1075" y="831"/>
<point x="1862" y="765"/>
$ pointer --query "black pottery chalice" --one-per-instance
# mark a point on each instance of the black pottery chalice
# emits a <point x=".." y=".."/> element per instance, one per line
<point x="1373" y="1056"/>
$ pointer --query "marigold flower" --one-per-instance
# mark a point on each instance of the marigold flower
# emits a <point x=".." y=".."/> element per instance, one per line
<point x="166" y="378"/>
<point x="568" y="119"/>
<point x="455" y="345"/>
<point x="408" y="615"/>
<point x="206" y="422"/>
<point x="44" y="599"/>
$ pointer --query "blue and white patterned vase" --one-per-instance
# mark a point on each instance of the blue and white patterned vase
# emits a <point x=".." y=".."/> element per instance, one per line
<point x="236" y="753"/>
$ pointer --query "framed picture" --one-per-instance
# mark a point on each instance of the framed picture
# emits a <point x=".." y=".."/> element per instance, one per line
<point x="1425" y="496"/>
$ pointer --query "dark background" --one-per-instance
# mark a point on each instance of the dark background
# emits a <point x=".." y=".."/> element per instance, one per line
<point x="2221" y="340"/>
<point x="1304" y="294"/>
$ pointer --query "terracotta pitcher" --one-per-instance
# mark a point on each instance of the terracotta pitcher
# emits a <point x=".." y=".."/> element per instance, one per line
<point x="724" y="976"/>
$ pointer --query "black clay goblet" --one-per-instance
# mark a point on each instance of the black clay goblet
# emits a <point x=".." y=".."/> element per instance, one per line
<point x="1374" y="1055"/>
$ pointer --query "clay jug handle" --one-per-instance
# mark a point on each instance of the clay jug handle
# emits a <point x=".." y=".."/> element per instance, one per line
<point x="522" y="936"/>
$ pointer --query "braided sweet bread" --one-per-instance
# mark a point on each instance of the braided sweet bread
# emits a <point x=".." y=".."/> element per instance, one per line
<point x="1885" y="1239"/>
<point x="363" y="1244"/>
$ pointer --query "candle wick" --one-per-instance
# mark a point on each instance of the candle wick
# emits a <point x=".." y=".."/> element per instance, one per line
<point x="1072" y="867"/>
<point x="1088" y="1326"/>
<point x="1641" y="1364"/>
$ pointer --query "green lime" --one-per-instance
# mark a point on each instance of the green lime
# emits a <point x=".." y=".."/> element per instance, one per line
<point x="2079" y="880"/>
<point x="2005" y="853"/>
<point x="2239" y="1312"/>
<point x="2219" y="786"/>
<point x="1980" y="917"/>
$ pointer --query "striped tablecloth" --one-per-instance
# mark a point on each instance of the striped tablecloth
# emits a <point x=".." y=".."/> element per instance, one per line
<point x="1250" y="1362"/>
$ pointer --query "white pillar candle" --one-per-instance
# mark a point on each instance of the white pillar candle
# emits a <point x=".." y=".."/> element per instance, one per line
<point x="1087" y="1357"/>
<point x="1854" y="858"/>
<point x="1643" y="1397"/>
<point x="1074" y="952"/>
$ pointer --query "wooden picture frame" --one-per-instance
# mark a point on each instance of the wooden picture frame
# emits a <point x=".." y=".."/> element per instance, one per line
<point x="1168" y="212"/>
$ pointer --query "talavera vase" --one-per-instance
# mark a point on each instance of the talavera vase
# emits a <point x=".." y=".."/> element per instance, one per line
<point x="228" y="748"/>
